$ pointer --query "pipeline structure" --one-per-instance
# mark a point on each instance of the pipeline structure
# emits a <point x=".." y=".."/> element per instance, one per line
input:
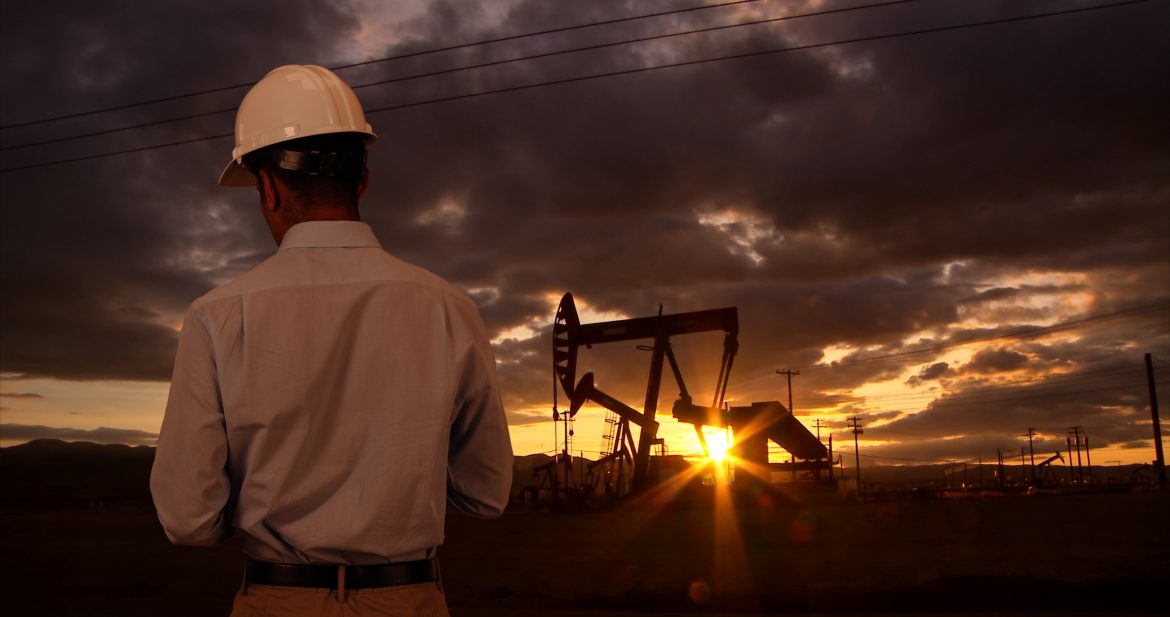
<point x="638" y="457"/>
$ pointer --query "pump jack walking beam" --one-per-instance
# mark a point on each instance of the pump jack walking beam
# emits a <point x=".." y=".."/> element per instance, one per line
<point x="586" y="391"/>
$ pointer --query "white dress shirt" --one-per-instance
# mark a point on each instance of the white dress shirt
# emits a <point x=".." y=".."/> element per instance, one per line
<point x="329" y="404"/>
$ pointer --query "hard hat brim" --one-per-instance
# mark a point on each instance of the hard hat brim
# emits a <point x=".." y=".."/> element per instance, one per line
<point x="236" y="174"/>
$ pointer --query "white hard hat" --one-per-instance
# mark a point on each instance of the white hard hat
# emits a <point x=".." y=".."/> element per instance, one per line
<point x="290" y="102"/>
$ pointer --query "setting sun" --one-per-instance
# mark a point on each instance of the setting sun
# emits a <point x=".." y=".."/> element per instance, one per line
<point x="718" y="445"/>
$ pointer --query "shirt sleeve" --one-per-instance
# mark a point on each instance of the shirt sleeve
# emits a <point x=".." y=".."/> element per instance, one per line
<point x="189" y="481"/>
<point x="479" y="460"/>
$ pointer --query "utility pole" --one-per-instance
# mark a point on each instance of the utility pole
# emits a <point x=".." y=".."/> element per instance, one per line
<point x="1076" y="433"/>
<point x="1032" y="453"/>
<point x="819" y="424"/>
<point x="831" y="459"/>
<point x="789" y="373"/>
<point x="1023" y="468"/>
<point x="1159" y="461"/>
<point x="1088" y="460"/>
<point x="856" y="428"/>
<point x="1068" y="446"/>
<point x="568" y="456"/>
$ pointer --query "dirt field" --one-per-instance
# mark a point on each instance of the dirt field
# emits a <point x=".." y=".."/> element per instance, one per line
<point x="1104" y="554"/>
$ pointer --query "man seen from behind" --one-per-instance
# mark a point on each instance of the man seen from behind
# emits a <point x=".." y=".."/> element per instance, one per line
<point x="330" y="403"/>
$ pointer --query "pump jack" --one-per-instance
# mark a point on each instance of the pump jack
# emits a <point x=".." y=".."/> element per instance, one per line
<point x="754" y="425"/>
<point x="569" y="334"/>
<point x="1045" y="466"/>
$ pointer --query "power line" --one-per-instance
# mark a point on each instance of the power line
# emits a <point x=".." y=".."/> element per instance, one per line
<point x="753" y="54"/>
<point x="471" y="67"/>
<point x="102" y="155"/>
<point x="403" y="56"/>
<point x="142" y="125"/>
<point x="947" y="460"/>
<point x="941" y="461"/>
<point x="645" y="69"/>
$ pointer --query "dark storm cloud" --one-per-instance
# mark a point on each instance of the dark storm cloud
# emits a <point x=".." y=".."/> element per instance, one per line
<point x="934" y="371"/>
<point x="995" y="361"/>
<point x="28" y="432"/>
<point x="1111" y="399"/>
<point x="879" y="197"/>
<point x="98" y="257"/>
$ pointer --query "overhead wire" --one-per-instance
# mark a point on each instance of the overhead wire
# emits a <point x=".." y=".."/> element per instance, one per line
<point x="940" y="461"/>
<point x="638" y="70"/>
<point x="988" y="458"/>
<point x="402" y="56"/>
<point x="471" y="67"/>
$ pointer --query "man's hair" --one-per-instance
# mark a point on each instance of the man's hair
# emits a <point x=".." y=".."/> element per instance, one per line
<point x="324" y="168"/>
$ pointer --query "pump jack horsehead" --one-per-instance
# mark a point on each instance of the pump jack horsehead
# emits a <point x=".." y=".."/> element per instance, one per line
<point x="754" y="425"/>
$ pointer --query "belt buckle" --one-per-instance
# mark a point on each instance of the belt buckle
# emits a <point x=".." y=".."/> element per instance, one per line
<point x="341" y="584"/>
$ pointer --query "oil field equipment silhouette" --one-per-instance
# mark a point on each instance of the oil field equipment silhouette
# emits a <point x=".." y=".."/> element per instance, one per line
<point x="631" y="435"/>
<point x="1045" y="466"/>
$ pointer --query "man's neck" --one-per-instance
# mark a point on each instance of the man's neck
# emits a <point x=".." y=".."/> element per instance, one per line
<point x="319" y="213"/>
<point x="316" y="213"/>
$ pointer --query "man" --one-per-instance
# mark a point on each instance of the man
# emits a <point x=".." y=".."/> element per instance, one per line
<point x="332" y="401"/>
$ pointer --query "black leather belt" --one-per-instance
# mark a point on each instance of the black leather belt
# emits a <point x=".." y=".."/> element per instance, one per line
<point x="343" y="577"/>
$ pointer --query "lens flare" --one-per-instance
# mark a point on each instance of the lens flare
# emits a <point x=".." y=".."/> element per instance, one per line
<point x="717" y="445"/>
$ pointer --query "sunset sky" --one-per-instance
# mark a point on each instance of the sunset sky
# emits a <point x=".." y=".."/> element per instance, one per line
<point x="867" y="206"/>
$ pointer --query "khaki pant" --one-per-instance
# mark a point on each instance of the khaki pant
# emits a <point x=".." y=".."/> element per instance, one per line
<point x="421" y="600"/>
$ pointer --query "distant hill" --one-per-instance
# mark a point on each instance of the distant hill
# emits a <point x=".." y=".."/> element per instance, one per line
<point x="55" y="473"/>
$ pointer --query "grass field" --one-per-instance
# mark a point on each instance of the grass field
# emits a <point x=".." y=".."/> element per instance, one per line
<point x="1104" y="554"/>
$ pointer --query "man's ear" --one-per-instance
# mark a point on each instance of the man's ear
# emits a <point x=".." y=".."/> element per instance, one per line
<point x="269" y="195"/>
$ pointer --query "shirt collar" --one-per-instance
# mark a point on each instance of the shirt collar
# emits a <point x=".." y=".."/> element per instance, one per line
<point x="329" y="234"/>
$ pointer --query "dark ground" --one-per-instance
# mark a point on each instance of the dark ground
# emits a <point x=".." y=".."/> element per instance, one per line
<point x="1090" y="553"/>
<point x="1108" y="554"/>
